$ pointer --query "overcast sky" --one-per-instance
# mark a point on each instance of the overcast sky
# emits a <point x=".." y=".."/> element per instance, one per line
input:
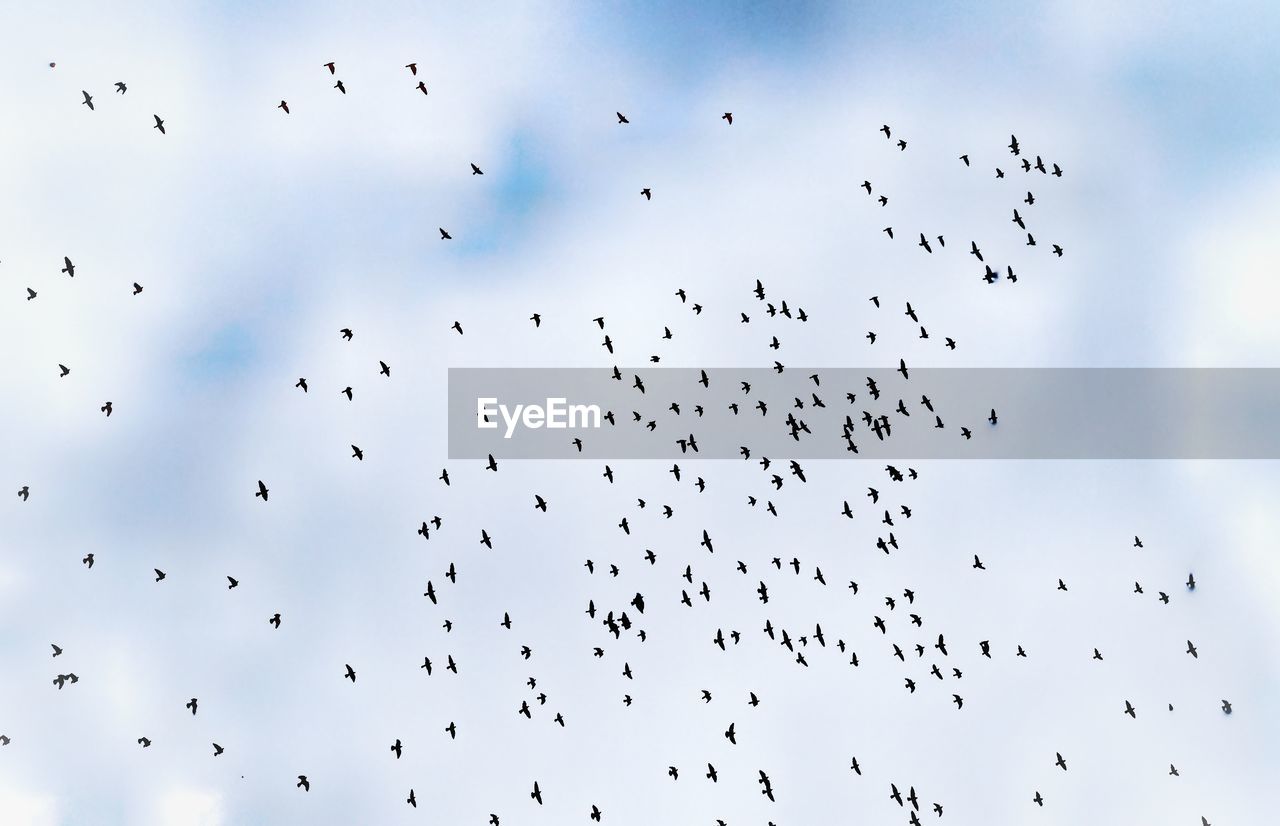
<point x="258" y="235"/>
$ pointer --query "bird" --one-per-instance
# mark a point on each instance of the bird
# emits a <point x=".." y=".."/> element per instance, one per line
<point x="412" y="67"/>
<point x="475" y="170"/>
<point x="217" y="750"/>
<point x="24" y="493"/>
<point x="351" y="673"/>
<point x="648" y="196"/>
<point x="275" y="620"/>
<point x="303" y="783"/>
<point x="64" y="370"/>
<point x="88" y="99"/>
<point x="106" y="408"/>
<point x="383" y="369"/>
<point x="1130" y="710"/>
<point x="536" y="794"/>
<point x="622" y="118"/>
<point x="284" y="105"/>
<point x="1226" y="707"/>
<point x="30" y="293"/>
<point x="1062" y="764"/>
<point x="397" y="748"/>
<point x="68" y="267"/>
<point x="159" y="574"/>
<point x="142" y="741"/>
<point x="422" y="87"/>
<point x="193" y="704"/>
<point x="331" y="67"/>
<point x="340" y="87"/>
<point x="412" y="800"/>
<point x="137" y="288"/>
<point x="444" y="236"/>
<point x="262" y="491"/>
<point x="357" y="453"/>
<point x="159" y="124"/>
<point x="232" y="582"/>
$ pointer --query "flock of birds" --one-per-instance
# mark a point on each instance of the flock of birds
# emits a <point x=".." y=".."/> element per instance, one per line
<point x="897" y="635"/>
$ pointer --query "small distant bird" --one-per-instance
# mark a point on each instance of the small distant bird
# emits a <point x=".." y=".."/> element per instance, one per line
<point x="444" y="236"/>
<point x="536" y="318"/>
<point x="965" y="158"/>
<point x="88" y="99"/>
<point x="137" y="288"/>
<point x="193" y="704"/>
<point x="384" y="369"/>
<point x="64" y="369"/>
<point x="351" y="673"/>
<point x="648" y="196"/>
<point x="285" y="106"/>
<point x="262" y="491"/>
<point x="457" y="325"/>
<point x="622" y="118"/>
<point x="106" y="408"/>
<point x="217" y="750"/>
<point x="120" y="87"/>
<point x="412" y="67"/>
<point x="422" y="87"/>
<point x="275" y="620"/>
<point x="475" y="170"/>
<point x="24" y="493"/>
<point x="346" y="333"/>
<point x="1226" y="707"/>
<point x="302" y="383"/>
<point x="232" y="582"/>
<point x="68" y="267"/>
<point x="303" y="783"/>
<point x="536" y="794"/>
<point x="330" y="66"/>
<point x="88" y="560"/>
<point x="30" y="293"/>
<point x="727" y="116"/>
<point x="159" y="574"/>
<point x="357" y="453"/>
<point x="159" y="124"/>
<point x="340" y="87"/>
<point x="56" y="649"/>
<point x="144" y="742"/>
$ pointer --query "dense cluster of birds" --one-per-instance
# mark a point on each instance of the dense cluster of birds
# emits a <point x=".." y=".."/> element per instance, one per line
<point x="929" y="657"/>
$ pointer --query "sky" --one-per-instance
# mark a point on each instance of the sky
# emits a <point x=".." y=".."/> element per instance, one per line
<point x="258" y="235"/>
